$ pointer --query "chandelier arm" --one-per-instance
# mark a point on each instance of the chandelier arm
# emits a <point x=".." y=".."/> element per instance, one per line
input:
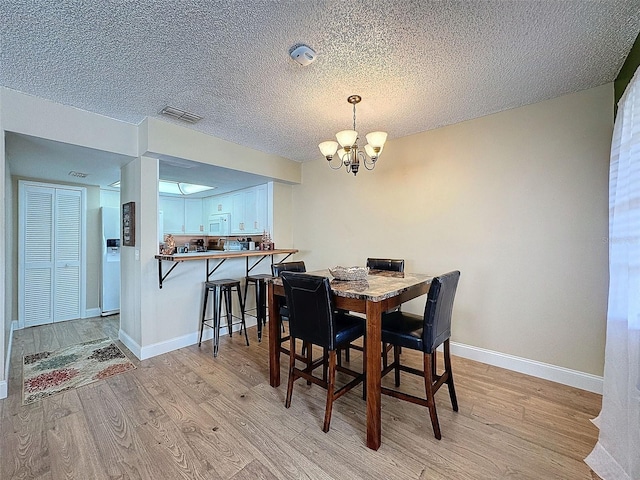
<point x="335" y="168"/>
<point x="369" y="163"/>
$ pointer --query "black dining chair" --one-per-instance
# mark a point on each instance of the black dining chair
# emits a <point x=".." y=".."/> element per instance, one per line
<point x="314" y="320"/>
<point x="424" y="334"/>
<point x="390" y="265"/>
<point x="276" y="270"/>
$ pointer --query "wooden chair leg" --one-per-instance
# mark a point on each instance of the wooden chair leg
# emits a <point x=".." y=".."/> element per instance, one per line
<point x="309" y="352"/>
<point x="292" y="364"/>
<point x="384" y="356"/>
<point x="396" y="361"/>
<point x="324" y="364"/>
<point x="331" y="385"/>
<point x="428" y="385"/>
<point x="449" y="372"/>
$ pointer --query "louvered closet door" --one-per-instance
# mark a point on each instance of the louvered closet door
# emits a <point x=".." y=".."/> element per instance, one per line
<point x="36" y="285"/>
<point x="67" y="254"/>
<point x="50" y="256"/>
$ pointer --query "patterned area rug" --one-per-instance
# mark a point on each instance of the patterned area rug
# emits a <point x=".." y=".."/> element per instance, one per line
<point x="48" y="373"/>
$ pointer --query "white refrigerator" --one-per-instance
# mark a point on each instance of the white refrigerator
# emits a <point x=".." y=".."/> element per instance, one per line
<point x="110" y="269"/>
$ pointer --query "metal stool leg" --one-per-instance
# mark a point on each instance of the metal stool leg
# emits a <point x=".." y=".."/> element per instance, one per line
<point x="260" y="305"/>
<point x="204" y="310"/>
<point x="243" y="324"/>
<point x="217" y="304"/>
<point x="246" y="290"/>
<point x="229" y="307"/>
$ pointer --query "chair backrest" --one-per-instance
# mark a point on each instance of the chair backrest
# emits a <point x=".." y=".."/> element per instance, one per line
<point x="394" y="265"/>
<point x="437" y="311"/>
<point x="278" y="268"/>
<point x="310" y="304"/>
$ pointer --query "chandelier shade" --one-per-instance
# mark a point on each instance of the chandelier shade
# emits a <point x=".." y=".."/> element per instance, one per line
<point x="346" y="138"/>
<point x="350" y="155"/>
<point x="328" y="148"/>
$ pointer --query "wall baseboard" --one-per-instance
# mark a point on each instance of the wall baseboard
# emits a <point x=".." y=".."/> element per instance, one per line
<point x="129" y="343"/>
<point x="149" y="351"/>
<point x="565" y="376"/>
<point x="4" y="384"/>
<point x="92" y="312"/>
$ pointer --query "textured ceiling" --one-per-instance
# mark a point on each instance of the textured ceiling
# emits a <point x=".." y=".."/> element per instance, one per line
<point x="418" y="65"/>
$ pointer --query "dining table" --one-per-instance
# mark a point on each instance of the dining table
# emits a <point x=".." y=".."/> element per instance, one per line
<point x="379" y="292"/>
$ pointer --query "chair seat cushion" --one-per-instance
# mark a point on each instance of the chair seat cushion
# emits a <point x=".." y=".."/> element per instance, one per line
<point x="349" y="328"/>
<point x="403" y="329"/>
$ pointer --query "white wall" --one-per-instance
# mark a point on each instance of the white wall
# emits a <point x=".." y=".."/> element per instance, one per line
<point x="154" y="320"/>
<point x="517" y="201"/>
<point x="163" y="138"/>
<point x="5" y="246"/>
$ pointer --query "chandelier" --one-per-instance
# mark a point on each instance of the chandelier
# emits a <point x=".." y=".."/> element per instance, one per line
<point x="350" y="155"/>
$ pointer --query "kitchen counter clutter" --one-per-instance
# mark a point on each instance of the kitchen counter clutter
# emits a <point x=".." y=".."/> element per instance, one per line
<point x="219" y="256"/>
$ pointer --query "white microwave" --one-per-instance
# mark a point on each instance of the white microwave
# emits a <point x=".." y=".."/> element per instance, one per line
<point x="219" y="224"/>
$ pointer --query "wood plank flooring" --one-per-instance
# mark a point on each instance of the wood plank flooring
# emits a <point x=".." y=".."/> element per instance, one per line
<point x="187" y="415"/>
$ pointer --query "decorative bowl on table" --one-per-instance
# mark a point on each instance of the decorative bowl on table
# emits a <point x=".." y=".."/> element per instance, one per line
<point x="349" y="273"/>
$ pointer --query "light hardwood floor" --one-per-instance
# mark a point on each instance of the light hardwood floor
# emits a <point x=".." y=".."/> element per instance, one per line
<point x="187" y="415"/>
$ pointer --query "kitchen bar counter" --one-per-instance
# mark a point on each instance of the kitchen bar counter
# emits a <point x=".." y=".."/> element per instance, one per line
<point x="220" y="256"/>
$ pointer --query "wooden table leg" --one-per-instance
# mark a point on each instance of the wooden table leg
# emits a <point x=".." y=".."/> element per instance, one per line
<point x="274" y="338"/>
<point x="374" y="351"/>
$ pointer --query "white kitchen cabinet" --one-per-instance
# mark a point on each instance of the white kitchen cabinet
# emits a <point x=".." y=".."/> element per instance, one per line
<point x="249" y="211"/>
<point x="221" y="204"/>
<point x="172" y="215"/>
<point x="182" y="216"/>
<point x="237" y="213"/>
<point x="261" y="209"/>
<point x="193" y="223"/>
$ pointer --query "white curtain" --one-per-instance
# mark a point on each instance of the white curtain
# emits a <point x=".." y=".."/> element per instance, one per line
<point x="617" y="453"/>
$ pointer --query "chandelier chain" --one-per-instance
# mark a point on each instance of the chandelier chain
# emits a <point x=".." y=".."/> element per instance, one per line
<point x="354" y="116"/>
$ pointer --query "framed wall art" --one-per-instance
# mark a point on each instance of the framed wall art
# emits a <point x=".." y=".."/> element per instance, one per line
<point x="129" y="224"/>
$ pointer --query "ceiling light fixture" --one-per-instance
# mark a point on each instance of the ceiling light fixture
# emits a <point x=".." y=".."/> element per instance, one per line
<point x="349" y="154"/>
<point x="176" y="188"/>
<point x="181" y="188"/>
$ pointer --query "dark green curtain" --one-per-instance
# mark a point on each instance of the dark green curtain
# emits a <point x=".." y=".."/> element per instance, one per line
<point x="626" y="72"/>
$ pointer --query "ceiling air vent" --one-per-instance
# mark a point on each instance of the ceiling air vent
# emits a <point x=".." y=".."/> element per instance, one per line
<point x="78" y="174"/>
<point x="180" y="114"/>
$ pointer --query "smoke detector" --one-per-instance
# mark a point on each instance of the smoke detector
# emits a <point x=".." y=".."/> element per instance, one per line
<point x="303" y="55"/>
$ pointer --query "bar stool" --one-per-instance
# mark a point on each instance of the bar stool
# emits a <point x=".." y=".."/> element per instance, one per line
<point x="258" y="281"/>
<point x="221" y="289"/>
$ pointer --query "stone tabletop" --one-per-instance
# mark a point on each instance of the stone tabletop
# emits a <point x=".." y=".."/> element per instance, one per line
<point x="379" y="284"/>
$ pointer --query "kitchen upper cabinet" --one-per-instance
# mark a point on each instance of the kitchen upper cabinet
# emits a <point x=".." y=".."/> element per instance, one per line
<point x="172" y="215"/>
<point x="261" y="209"/>
<point x="237" y="213"/>
<point x="221" y="204"/>
<point x="182" y="216"/>
<point x="249" y="210"/>
<point x="193" y="223"/>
